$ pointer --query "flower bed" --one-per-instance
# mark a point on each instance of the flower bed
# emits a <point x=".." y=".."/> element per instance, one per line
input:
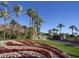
<point x="11" y="43"/>
<point x="53" y="49"/>
<point x="27" y="42"/>
<point x="32" y="53"/>
<point x="29" y="49"/>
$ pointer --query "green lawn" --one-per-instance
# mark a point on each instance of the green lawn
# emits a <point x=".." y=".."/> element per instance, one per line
<point x="71" y="50"/>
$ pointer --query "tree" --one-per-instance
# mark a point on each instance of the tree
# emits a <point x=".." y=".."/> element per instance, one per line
<point x="25" y="31"/>
<point x="35" y="20"/>
<point x="31" y="33"/>
<point x="76" y="30"/>
<point x="5" y="14"/>
<point x="31" y="13"/>
<point x="55" y="30"/>
<point x="38" y="22"/>
<point x="60" y="26"/>
<point x="18" y="9"/>
<point x="72" y="27"/>
<point x="12" y="24"/>
<point x="50" y="33"/>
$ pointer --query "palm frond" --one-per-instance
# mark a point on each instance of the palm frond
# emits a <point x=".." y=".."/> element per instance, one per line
<point x="3" y="3"/>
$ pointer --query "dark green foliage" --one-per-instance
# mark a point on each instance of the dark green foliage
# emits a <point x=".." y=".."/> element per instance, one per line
<point x="13" y="37"/>
<point x="30" y="33"/>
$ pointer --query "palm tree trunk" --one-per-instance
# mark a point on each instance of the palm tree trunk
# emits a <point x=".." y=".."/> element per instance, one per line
<point x="38" y="29"/>
<point x="54" y="32"/>
<point x="13" y="30"/>
<point x="18" y="28"/>
<point x="30" y="22"/>
<point x="60" y="31"/>
<point x="35" y="25"/>
<point x="77" y="32"/>
<point x="5" y="29"/>
<point x="72" y="32"/>
<point x="39" y="32"/>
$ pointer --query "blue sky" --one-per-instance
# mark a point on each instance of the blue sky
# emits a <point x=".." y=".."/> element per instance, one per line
<point x="53" y="13"/>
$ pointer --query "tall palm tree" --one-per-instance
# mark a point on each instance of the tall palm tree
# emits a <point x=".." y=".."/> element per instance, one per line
<point x="38" y="22"/>
<point x="55" y="30"/>
<point x="50" y="33"/>
<point x="31" y="13"/>
<point x="18" y="9"/>
<point x="60" y="26"/>
<point x="5" y="14"/>
<point x="72" y="27"/>
<point x="77" y="30"/>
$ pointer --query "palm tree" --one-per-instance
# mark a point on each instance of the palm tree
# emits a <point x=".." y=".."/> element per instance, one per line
<point x="60" y="26"/>
<point x="31" y="13"/>
<point x="72" y="27"/>
<point x="37" y="23"/>
<point x="5" y="14"/>
<point x="77" y="30"/>
<point x="50" y="33"/>
<point x="55" y="30"/>
<point x="18" y="9"/>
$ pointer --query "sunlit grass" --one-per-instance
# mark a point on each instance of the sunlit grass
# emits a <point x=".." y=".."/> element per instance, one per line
<point x="70" y="50"/>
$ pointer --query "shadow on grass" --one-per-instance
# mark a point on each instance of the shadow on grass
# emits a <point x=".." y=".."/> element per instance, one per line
<point x="69" y="45"/>
<point x="74" y="56"/>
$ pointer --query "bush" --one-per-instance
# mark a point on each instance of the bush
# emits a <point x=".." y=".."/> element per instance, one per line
<point x="12" y="36"/>
<point x="56" y="37"/>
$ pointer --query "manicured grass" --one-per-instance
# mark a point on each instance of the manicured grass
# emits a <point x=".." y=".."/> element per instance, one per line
<point x="70" y="50"/>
